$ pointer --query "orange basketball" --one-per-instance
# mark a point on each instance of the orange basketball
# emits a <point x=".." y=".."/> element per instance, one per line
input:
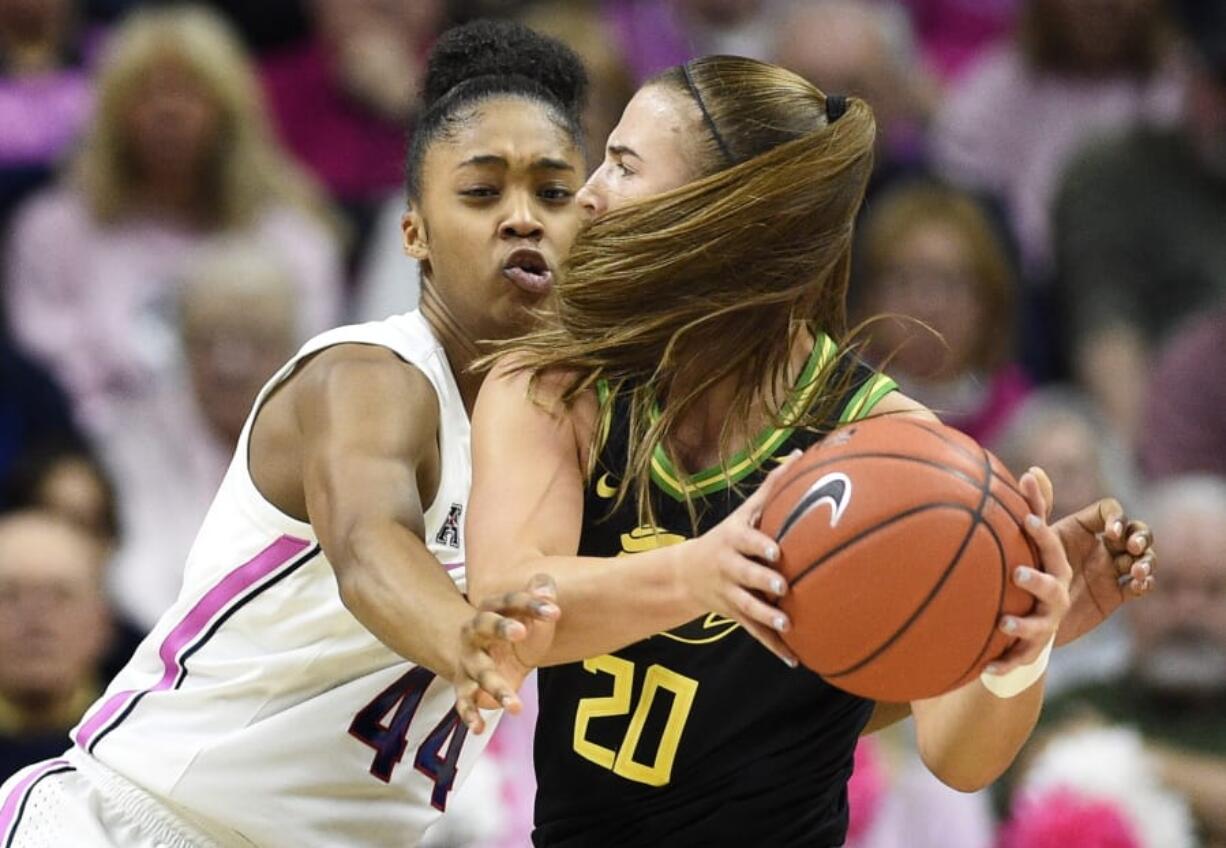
<point x="898" y="538"/>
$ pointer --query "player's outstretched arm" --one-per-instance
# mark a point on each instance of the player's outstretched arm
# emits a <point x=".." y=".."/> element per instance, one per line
<point x="525" y="517"/>
<point x="968" y="737"/>
<point x="368" y="423"/>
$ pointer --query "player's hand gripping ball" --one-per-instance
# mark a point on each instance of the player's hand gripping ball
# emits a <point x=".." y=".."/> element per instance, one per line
<point x="897" y="538"/>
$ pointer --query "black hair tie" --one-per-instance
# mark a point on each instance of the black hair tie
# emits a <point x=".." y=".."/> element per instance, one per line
<point x="836" y="105"/>
<point x="706" y="116"/>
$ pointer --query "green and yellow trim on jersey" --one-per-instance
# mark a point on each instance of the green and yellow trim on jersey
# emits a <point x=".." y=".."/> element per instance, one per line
<point x="743" y="463"/>
<point x="716" y="478"/>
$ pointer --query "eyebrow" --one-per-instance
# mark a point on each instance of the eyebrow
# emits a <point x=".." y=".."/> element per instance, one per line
<point x="545" y="163"/>
<point x="622" y="150"/>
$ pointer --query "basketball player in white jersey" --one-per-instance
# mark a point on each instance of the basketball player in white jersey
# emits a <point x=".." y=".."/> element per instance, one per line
<point x="298" y="692"/>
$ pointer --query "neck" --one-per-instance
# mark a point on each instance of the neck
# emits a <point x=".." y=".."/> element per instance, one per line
<point x="171" y="195"/>
<point x="697" y="438"/>
<point x="456" y="340"/>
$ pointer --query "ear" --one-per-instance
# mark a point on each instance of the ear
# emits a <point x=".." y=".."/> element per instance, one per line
<point x="413" y="229"/>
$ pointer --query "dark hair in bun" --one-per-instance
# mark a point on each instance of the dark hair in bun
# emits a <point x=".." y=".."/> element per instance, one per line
<point x="485" y="59"/>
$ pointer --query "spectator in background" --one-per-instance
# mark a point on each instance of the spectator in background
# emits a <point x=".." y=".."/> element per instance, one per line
<point x="1184" y="421"/>
<point x="1074" y="69"/>
<point x="864" y="48"/>
<point x="54" y="629"/>
<point x="1174" y="691"/>
<point x="67" y="479"/>
<point x="45" y="96"/>
<point x="1059" y="429"/>
<point x="654" y="35"/>
<point x="929" y="257"/>
<point x="177" y="156"/>
<point x="954" y="33"/>
<point x="344" y="99"/>
<point x="237" y="326"/>
<point x="1140" y="223"/>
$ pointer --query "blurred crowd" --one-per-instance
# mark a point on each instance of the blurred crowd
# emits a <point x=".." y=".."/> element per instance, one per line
<point x="188" y="192"/>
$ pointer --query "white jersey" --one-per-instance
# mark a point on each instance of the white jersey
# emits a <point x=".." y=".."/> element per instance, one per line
<point x="259" y="707"/>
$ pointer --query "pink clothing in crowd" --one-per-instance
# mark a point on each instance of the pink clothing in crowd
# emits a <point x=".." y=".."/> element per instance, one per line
<point x="954" y="33"/>
<point x="98" y="303"/>
<point x="1008" y="129"/>
<point x="42" y="115"/>
<point x="1006" y="389"/>
<point x="355" y="153"/>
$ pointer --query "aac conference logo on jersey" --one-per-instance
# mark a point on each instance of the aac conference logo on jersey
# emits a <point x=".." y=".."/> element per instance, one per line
<point x="449" y="533"/>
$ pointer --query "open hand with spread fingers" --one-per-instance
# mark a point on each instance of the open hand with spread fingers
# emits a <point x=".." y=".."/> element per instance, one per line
<point x="1112" y="557"/>
<point x="500" y="645"/>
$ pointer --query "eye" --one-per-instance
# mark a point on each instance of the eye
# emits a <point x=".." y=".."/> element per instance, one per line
<point x="556" y="194"/>
<point x="480" y="192"/>
<point x="623" y="170"/>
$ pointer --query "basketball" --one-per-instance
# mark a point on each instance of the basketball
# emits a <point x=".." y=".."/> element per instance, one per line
<point x="898" y="538"/>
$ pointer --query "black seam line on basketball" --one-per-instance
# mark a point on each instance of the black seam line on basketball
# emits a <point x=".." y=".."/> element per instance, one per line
<point x="976" y="520"/>
<point x="1000" y="599"/>
<point x="962" y="449"/>
<point x="953" y="472"/>
<point x="21" y="808"/>
<point x="868" y="531"/>
<point x="200" y="641"/>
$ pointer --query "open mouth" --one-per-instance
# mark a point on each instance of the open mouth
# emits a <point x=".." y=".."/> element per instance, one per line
<point x="528" y="269"/>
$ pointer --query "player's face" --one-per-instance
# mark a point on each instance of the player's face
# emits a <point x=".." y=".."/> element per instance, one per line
<point x="497" y="214"/>
<point x="650" y="151"/>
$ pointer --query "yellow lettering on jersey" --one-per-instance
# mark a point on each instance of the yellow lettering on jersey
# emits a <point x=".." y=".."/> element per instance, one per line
<point x="659" y="772"/>
<point x="623" y="762"/>
<point x="615" y="704"/>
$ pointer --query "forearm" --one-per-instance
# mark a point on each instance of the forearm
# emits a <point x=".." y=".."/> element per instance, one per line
<point x="395" y="587"/>
<point x="606" y="602"/>
<point x="968" y="737"/>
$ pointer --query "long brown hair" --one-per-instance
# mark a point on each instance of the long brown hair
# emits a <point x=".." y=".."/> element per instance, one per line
<point x="247" y="171"/>
<point x="733" y="264"/>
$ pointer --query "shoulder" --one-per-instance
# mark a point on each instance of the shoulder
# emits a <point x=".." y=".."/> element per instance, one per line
<point x="513" y="392"/>
<point x="896" y="403"/>
<point x="366" y="383"/>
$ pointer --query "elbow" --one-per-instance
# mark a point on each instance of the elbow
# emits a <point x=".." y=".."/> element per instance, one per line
<point x="961" y="773"/>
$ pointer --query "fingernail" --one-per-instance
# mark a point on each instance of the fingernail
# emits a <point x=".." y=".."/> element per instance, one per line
<point x="772" y="553"/>
<point x="1033" y="522"/>
<point x="781" y="623"/>
<point x="790" y="662"/>
<point x="992" y="668"/>
<point x="1022" y="575"/>
<point x="795" y="453"/>
<point x="777" y="585"/>
<point x="505" y="700"/>
<point x="1118" y="528"/>
<point x="1009" y="625"/>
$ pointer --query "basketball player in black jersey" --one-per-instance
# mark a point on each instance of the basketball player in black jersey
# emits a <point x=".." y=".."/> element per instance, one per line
<point x="694" y="345"/>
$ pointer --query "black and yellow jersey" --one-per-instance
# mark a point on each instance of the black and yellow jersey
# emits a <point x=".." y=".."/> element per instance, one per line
<point x="696" y="736"/>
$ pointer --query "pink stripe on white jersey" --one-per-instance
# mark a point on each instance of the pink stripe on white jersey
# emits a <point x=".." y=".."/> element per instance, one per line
<point x="193" y="624"/>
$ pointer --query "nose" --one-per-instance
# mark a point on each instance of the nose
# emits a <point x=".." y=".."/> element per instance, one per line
<point x="591" y="199"/>
<point x="521" y="221"/>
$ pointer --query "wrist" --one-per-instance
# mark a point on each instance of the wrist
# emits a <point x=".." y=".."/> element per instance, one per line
<point x="1015" y="682"/>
